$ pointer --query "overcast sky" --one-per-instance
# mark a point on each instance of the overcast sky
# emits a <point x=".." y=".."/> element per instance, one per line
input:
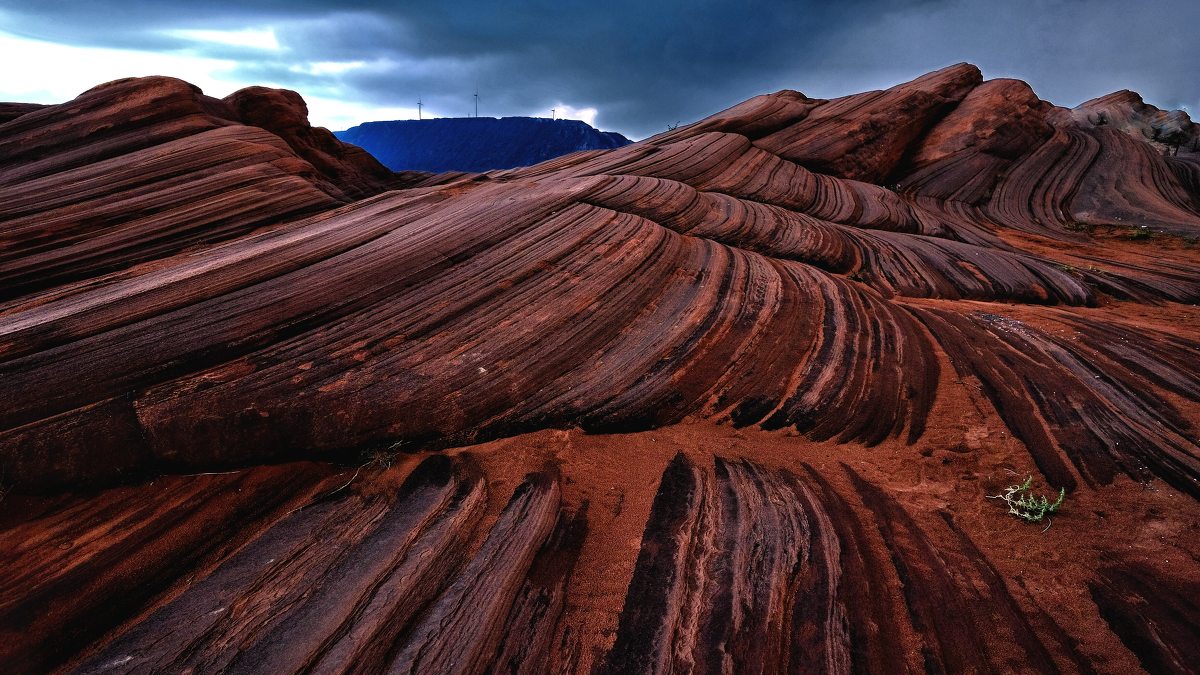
<point x="632" y="66"/>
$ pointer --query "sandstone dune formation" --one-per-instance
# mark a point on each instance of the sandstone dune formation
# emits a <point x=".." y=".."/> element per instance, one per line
<point x="729" y="399"/>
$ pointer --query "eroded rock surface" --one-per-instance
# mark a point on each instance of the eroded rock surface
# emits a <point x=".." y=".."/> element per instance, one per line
<point x="704" y="562"/>
<point x="904" y="298"/>
<point x="138" y="169"/>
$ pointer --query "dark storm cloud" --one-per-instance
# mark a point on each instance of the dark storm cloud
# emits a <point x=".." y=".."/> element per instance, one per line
<point x="644" y="65"/>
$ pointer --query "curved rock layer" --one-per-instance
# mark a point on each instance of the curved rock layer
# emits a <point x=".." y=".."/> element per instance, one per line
<point x="466" y="564"/>
<point x="705" y="272"/>
<point x="138" y="169"/>
<point x="858" y="317"/>
<point x="1169" y="130"/>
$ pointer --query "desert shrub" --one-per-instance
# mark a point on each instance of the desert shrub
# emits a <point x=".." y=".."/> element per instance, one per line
<point x="1027" y="505"/>
<point x="1139" y="233"/>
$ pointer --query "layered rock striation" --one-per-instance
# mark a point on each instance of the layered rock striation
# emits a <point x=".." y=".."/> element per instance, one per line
<point x="138" y="169"/>
<point x="854" y="317"/>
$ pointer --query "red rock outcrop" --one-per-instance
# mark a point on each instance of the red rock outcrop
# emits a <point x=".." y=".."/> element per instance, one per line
<point x="284" y="113"/>
<point x="1126" y="111"/>
<point x="11" y="111"/>
<point x="617" y="557"/>
<point x="900" y="298"/>
<point x="137" y="169"/>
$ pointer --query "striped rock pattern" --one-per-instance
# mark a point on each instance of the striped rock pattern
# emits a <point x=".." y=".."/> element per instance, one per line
<point x="741" y="567"/>
<point x="752" y="563"/>
<point x="705" y="272"/>
<point x="951" y="275"/>
<point x="135" y="170"/>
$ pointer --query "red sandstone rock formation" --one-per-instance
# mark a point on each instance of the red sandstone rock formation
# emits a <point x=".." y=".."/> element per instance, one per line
<point x="856" y="318"/>
<point x="11" y="111"/>
<point x="138" y="169"/>
<point x="1126" y="111"/>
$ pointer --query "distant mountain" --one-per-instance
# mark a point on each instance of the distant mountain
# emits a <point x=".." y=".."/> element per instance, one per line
<point x="475" y="143"/>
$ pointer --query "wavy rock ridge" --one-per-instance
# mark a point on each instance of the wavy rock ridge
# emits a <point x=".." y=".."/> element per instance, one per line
<point x="136" y="170"/>
<point x="948" y="271"/>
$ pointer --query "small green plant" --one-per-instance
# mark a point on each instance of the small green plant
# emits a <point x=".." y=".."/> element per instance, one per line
<point x="1024" y="504"/>
<point x="1076" y="226"/>
<point x="1139" y="233"/>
